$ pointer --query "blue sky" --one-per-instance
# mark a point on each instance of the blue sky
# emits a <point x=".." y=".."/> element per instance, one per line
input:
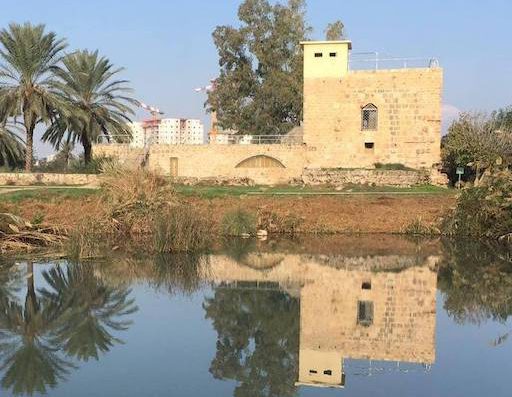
<point x="167" y="50"/>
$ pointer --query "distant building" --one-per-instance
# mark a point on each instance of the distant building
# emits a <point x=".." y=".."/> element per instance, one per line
<point x="167" y="132"/>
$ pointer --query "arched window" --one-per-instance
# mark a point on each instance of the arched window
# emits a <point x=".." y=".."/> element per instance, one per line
<point x="369" y="117"/>
<point x="260" y="161"/>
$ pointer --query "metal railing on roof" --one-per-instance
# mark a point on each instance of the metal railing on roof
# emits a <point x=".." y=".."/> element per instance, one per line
<point x="257" y="139"/>
<point x="377" y="61"/>
<point x="218" y="139"/>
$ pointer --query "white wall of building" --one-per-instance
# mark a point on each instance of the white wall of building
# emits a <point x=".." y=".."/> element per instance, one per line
<point x="169" y="132"/>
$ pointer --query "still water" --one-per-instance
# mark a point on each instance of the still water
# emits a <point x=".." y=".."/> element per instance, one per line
<point x="376" y="316"/>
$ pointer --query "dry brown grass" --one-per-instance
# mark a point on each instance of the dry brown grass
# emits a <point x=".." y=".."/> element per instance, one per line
<point x="131" y="199"/>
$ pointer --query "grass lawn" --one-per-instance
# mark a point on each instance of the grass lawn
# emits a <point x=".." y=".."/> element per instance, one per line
<point x="210" y="192"/>
<point x="44" y="194"/>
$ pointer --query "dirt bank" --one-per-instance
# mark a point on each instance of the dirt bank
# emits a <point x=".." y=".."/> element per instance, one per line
<point x="317" y="214"/>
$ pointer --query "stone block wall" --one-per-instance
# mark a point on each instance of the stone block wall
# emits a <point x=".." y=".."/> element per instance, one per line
<point x="337" y="177"/>
<point x="409" y="118"/>
<point x="216" y="161"/>
<point x="22" y="179"/>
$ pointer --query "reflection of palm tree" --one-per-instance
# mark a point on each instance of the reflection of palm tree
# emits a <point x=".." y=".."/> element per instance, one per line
<point x="92" y="310"/>
<point x="10" y="279"/>
<point x="28" y="352"/>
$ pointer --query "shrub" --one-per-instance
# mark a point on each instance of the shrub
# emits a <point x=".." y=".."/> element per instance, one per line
<point x="275" y="223"/>
<point x="484" y="211"/>
<point x="392" y="167"/>
<point x="133" y="198"/>
<point x="419" y="228"/>
<point x="181" y="229"/>
<point x="238" y="223"/>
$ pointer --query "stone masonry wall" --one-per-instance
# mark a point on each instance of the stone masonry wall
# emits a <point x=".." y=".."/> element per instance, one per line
<point x="21" y="179"/>
<point x="217" y="161"/>
<point x="409" y="118"/>
<point x="364" y="177"/>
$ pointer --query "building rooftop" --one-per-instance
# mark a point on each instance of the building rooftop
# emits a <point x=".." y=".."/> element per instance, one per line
<point x="324" y="42"/>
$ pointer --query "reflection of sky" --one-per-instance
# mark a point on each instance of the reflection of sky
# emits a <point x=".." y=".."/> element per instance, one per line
<point x="169" y="348"/>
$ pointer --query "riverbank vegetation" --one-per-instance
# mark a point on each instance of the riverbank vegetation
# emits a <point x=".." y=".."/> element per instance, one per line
<point x="481" y="145"/>
<point x="139" y="208"/>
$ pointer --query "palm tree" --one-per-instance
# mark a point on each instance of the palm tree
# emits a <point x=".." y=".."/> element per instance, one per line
<point x="12" y="148"/>
<point x="101" y="107"/>
<point x="28" y="55"/>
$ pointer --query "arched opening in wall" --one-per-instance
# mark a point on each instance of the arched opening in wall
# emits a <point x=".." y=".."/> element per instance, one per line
<point x="260" y="161"/>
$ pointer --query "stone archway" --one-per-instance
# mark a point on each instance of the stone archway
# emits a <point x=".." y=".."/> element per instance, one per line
<point x="260" y="161"/>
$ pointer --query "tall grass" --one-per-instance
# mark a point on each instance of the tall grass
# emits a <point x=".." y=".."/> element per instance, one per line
<point x="181" y="229"/>
<point x="238" y="223"/>
<point x="88" y="239"/>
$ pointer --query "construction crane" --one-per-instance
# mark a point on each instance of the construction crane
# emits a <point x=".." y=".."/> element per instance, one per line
<point x="213" y="124"/>
<point x="150" y="128"/>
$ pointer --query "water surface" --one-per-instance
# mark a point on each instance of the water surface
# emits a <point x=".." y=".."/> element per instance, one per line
<point x="377" y="316"/>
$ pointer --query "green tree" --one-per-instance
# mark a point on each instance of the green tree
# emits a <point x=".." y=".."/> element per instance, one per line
<point x="28" y="56"/>
<point x="503" y="119"/>
<point x="335" y="31"/>
<point x="100" y="102"/>
<point x="476" y="141"/>
<point x="12" y="148"/>
<point x="259" y="88"/>
<point x="257" y="340"/>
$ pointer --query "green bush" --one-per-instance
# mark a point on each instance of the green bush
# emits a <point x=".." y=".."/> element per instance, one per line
<point x="238" y="223"/>
<point x="392" y="167"/>
<point x="181" y="229"/>
<point x="484" y="211"/>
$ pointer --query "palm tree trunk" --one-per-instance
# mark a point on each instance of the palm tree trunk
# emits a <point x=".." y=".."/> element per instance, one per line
<point x="30" y="125"/>
<point x="29" y="151"/>
<point x="87" y="150"/>
<point x="31" y="306"/>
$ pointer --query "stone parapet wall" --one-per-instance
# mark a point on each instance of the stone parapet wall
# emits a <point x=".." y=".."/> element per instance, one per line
<point x="340" y="177"/>
<point x="22" y="179"/>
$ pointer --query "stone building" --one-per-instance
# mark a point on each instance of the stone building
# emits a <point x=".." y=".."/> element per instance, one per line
<point x="353" y="119"/>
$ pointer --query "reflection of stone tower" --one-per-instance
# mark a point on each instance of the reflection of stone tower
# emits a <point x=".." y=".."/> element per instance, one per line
<point x="320" y="368"/>
<point x="379" y="308"/>
<point x="365" y="315"/>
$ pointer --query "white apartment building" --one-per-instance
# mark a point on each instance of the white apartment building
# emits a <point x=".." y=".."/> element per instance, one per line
<point x="168" y="132"/>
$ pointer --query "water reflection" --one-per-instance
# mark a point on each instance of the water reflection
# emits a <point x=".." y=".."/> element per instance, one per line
<point x="288" y="315"/>
<point x="74" y="317"/>
<point x="372" y="307"/>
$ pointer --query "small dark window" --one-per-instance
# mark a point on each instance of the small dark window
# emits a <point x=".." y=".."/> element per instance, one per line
<point x="312" y="371"/>
<point x="366" y="285"/>
<point x="365" y="313"/>
<point x="333" y="54"/>
<point x="328" y="372"/>
<point x="369" y="145"/>
<point x="369" y="117"/>
<point x="318" y="55"/>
